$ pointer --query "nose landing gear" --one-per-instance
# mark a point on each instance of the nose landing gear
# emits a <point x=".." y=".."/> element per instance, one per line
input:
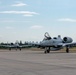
<point x="47" y="50"/>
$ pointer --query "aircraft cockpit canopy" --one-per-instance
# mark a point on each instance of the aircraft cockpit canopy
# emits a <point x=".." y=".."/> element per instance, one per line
<point x="47" y="36"/>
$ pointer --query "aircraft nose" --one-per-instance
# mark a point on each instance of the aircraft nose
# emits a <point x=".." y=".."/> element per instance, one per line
<point x="41" y="43"/>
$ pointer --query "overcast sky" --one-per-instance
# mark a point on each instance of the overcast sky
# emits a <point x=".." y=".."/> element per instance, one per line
<point x="28" y="20"/>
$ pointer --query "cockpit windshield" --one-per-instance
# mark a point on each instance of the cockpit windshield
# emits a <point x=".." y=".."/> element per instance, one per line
<point x="47" y="36"/>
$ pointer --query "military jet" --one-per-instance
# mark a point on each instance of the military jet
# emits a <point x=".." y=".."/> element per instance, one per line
<point x="15" y="46"/>
<point x="11" y="45"/>
<point x="55" y="43"/>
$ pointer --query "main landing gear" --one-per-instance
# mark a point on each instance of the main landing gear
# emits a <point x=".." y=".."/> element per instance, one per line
<point x="67" y="49"/>
<point x="47" y="50"/>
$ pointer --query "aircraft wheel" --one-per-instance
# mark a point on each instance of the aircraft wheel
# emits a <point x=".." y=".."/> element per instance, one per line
<point x="20" y="49"/>
<point x="45" y="52"/>
<point x="48" y="51"/>
<point x="67" y="50"/>
<point x="10" y="49"/>
<point x="16" y="49"/>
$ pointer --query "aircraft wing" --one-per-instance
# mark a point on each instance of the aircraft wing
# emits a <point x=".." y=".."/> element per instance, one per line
<point x="68" y="44"/>
<point x="25" y="46"/>
<point x="5" y="46"/>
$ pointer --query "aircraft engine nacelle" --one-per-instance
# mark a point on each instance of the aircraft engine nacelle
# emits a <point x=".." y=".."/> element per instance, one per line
<point x="67" y="40"/>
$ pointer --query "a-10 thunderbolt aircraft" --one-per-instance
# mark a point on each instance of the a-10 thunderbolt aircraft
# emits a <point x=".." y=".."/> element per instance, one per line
<point x="55" y="43"/>
<point x="15" y="46"/>
<point x="10" y="46"/>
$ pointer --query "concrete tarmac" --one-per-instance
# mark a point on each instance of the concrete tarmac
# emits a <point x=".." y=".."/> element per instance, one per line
<point x="37" y="63"/>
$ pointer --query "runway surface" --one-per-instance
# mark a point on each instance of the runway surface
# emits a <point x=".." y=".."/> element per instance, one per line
<point x="37" y="63"/>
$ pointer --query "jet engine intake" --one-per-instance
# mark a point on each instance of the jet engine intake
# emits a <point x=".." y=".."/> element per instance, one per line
<point x="67" y="40"/>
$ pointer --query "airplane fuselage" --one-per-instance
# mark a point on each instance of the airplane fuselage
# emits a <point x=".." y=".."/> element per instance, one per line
<point x="51" y="42"/>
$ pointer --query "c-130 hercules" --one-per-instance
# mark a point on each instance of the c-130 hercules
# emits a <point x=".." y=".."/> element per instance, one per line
<point x="56" y="43"/>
